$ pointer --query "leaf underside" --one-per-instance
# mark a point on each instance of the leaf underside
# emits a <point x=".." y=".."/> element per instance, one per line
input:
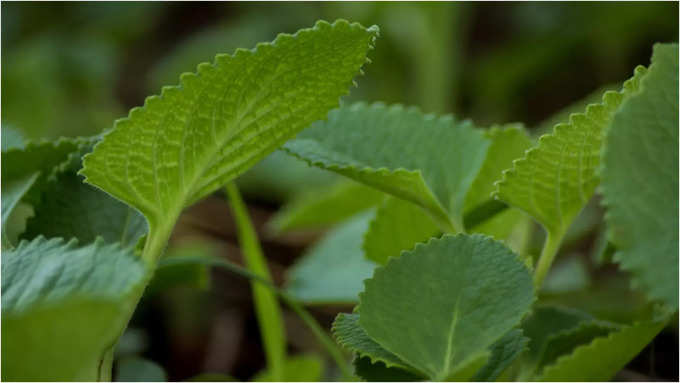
<point x="557" y="177"/>
<point x="640" y="180"/>
<point x="441" y="306"/>
<point x="195" y="137"/>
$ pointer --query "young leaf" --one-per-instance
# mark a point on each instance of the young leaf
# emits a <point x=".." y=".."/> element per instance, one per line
<point x="503" y="353"/>
<point x="557" y="177"/>
<point x="195" y="137"/>
<point x="333" y="270"/>
<point x="640" y="180"/>
<point x="324" y="207"/>
<point x="58" y="297"/>
<point x="391" y="148"/>
<point x="349" y="333"/>
<point x="602" y="358"/>
<point x="398" y="225"/>
<point x="442" y="305"/>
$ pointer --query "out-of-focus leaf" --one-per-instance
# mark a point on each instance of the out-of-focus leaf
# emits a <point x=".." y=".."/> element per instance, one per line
<point x="298" y="368"/>
<point x="333" y="270"/>
<point x="136" y="369"/>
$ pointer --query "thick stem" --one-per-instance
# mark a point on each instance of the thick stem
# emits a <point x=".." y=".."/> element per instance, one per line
<point x="267" y="308"/>
<point x="550" y="248"/>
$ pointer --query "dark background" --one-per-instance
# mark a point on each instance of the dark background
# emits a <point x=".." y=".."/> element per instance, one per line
<point x="71" y="69"/>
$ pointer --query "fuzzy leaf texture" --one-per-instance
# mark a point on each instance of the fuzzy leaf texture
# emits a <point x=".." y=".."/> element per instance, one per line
<point x="58" y="297"/>
<point x="441" y="306"/>
<point x="640" y="180"/>
<point x="195" y="137"/>
<point x="557" y="177"/>
<point x="428" y="160"/>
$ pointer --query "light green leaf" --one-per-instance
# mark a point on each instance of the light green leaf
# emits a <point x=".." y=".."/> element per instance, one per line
<point x="442" y="305"/>
<point x="602" y="358"/>
<point x="298" y="368"/>
<point x="56" y="297"/>
<point x="325" y="206"/>
<point x="505" y="351"/>
<point x="333" y="270"/>
<point x="398" y="225"/>
<point x="349" y="333"/>
<point x="378" y="372"/>
<point x="69" y="208"/>
<point x="568" y="275"/>
<point x="428" y="160"/>
<point x="640" y="180"/>
<point x="11" y="138"/>
<point x="136" y="369"/>
<point x="557" y="177"/>
<point x="195" y="137"/>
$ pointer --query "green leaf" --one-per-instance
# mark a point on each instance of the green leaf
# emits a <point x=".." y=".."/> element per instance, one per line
<point x="398" y="225"/>
<point x="378" y="372"/>
<point x="602" y="358"/>
<point x="11" y="138"/>
<point x="640" y="180"/>
<point x="554" y="331"/>
<point x="324" y="206"/>
<point x="333" y="270"/>
<point x="428" y="160"/>
<point x="349" y="333"/>
<point x="168" y="275"/>
<point x="556" y="178"/>
<point x="70" y="208"/>
<point x="195" y="137"/>
<point x="298" y="368"/>
<point x="136" y="369"/>
<point x="442" y="305"/>
<point x="56" y="297"/>
<point x="505" y="351"/>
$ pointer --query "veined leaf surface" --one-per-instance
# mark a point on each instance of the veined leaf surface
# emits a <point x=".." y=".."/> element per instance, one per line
<point x="428" y="160"/>
<point x="441" y="306"/>
<point x="64" y="306"/>
<point x="195" y="137"/>
<point x="557" y="177"/>
<point x="640" y="180"/>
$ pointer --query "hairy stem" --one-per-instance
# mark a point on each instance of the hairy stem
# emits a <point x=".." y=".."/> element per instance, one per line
<point x="267" y="308"/>
<point x="550" y="248"/>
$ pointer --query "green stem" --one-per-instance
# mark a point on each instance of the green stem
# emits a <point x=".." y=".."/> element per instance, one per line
<point x="267" y="308"/>
<point x="306" y="317"/>
<point x="550" y="248"/>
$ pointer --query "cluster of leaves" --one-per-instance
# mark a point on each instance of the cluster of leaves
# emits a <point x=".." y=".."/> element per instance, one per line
<point x="441" y="304"/>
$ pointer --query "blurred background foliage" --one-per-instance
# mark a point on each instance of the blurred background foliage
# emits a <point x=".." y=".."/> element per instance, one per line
<point x="72" y="69"/>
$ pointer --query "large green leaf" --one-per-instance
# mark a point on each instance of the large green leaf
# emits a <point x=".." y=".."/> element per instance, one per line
<point x="333" y="270"/>
<point x="378" y="372"/>
<point x="64" y="307"/>
<point x="557" y="177"/>
<point x="195" y="137"/>
<point x="428" y="160"/>
<point x="398" y="225"/>
<point x="602" y="358"/>
<point x="441" y="306"/>
<point x="640" y="180"/>
<point x="325" y="206"/>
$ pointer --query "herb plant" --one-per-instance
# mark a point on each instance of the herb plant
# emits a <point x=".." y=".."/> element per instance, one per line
<point x="438" y="232"/>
